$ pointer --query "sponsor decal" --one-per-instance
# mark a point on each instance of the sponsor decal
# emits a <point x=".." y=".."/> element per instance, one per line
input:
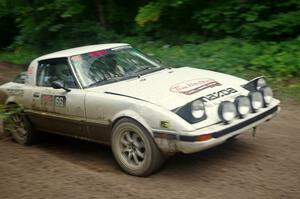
<point x="165" y="124"/>
<point x="218" y="94"/>
<point x="29" y="71"/>
<point x="194" y="86"/>
<point x="47" y="100"/>
<point x="15" y="92"/>
<point x="76" y="58"/>
<point x="101" y="52"/>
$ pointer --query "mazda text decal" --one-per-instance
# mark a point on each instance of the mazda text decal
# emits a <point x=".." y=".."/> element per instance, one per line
<point x="218" y="94"/>
<point x="194" y="86"/>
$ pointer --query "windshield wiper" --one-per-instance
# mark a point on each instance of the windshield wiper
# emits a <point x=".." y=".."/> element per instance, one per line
<point x="139" y="73"/>
<point x="143" y="69"/>
<point x="105" y="80"/>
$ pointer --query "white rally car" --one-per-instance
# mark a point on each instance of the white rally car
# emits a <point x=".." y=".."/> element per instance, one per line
<point x="116" y="95"/>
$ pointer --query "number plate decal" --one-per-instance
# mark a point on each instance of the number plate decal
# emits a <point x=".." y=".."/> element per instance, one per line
<point x="59" y="101"/>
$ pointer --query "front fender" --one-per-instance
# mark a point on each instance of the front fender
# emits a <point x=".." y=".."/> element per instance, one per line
<point x="152" y="117"/>
<point x="133" y="115"/>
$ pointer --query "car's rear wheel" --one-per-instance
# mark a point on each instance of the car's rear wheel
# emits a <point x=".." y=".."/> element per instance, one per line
<point x="20" y="128"/>
<point x="134" y="149"/>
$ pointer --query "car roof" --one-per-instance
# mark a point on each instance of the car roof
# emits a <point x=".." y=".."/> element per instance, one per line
<point x="80" y="50"/>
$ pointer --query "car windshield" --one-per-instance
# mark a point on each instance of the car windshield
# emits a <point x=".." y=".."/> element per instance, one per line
<point x="110" y="65"/>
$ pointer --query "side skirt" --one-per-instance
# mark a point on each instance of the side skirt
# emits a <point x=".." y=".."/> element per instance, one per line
<point x="70" y="127"/>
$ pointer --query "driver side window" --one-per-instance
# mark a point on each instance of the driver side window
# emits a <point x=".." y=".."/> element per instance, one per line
<point x="55" y="70"/>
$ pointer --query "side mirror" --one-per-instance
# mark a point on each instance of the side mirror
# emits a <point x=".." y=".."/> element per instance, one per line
<point x="21" y="78"/>
<point x="59" y="85"/>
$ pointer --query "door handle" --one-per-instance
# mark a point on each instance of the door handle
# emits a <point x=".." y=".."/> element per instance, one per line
<point x="36" y="95"/>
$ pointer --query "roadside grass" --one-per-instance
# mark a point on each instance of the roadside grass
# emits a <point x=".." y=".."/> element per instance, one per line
<point x="279" y="62"/>
<point x="289" y="94"/>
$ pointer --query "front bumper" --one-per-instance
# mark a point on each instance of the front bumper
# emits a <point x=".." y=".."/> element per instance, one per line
<point x="187" y="142"/>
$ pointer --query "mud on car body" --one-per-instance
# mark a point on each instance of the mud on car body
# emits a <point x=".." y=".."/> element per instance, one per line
<point x="116" y="95"/>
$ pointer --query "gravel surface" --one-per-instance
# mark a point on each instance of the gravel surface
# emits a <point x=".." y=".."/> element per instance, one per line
<point x="267" y="166"/>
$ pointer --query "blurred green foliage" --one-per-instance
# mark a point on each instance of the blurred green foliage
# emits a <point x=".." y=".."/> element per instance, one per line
<point x="259" y="19"/>
<point x="21" y="56"/>
<point x="6" y="114"/>
<point x="54" y="24"/>
<point x="278" y="61"/>
<point x="241" y="37"/>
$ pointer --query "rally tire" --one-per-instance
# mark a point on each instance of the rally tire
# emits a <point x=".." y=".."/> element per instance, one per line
<point x="134" y="149"/>
<point x="20" y="129"/>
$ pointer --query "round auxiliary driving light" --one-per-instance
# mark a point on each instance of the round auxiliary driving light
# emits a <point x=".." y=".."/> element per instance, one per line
<point x="227" y="111"/>
<point x="256" y="100"/>
<point x="261" y="82"/>
<point x="243" y="105"/>
<point x="267" y="95"/>
<point x="197" y="108"/>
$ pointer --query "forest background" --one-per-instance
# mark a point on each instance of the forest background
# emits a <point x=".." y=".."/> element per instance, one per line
<point x="246" y="38"/>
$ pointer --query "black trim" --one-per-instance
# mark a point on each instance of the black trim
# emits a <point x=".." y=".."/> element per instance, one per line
<point x="187" y="138"/>
<point x="185" y="112"/>
<point x="51" y="61"/>
<point x="71" y="127"/>
<point x="111" y="93"/>
<point x="221" y="110"/>
<point x="245" y="123"/>
<point x="252" y="84"/>
<point x="167" y="136"/>
<point x="220" y="133"/>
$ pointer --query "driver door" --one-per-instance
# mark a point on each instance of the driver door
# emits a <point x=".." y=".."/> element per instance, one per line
<point x="58" y="111"/>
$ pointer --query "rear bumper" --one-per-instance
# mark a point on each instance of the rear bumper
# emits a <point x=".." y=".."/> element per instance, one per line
<point x="188" y="142"/>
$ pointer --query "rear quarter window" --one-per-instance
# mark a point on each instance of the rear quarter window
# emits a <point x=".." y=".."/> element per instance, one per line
<point x="21" y="78"/>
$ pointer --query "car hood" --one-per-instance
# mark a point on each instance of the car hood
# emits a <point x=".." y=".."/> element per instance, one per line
<point x="172" y="88"/>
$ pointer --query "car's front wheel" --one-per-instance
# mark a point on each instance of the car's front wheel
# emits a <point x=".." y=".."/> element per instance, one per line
<point x="134" y="149"/>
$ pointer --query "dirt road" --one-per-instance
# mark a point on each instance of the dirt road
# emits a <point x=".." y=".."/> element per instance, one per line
<point x="267" y="166"/>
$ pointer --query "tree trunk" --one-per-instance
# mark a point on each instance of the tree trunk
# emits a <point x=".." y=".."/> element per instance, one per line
<point x="101" y="14"/>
